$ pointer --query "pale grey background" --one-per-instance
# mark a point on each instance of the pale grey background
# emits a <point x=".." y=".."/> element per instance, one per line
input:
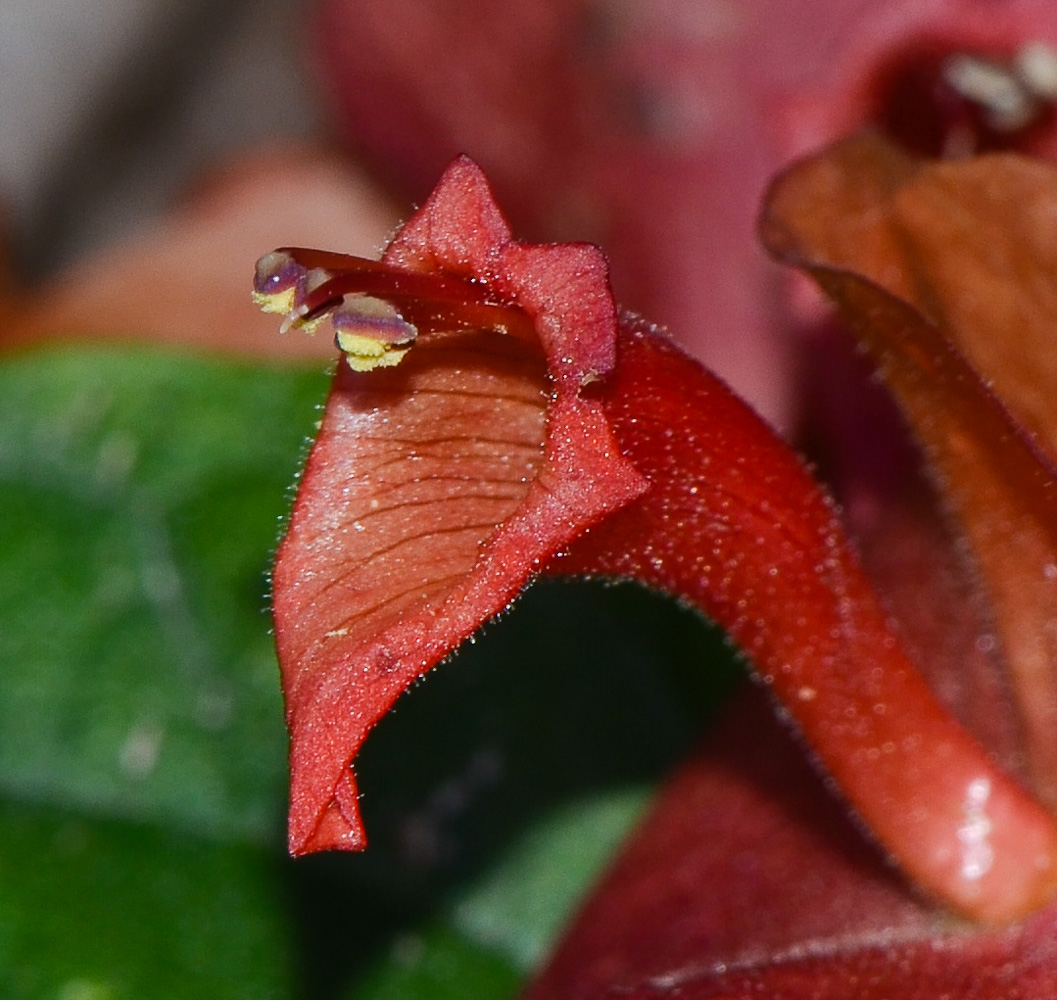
<point x="109" y="107"/>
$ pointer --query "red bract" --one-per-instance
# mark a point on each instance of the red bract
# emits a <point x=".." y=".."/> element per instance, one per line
<point x="434" y="493"/>
<point x="529" y="429"/>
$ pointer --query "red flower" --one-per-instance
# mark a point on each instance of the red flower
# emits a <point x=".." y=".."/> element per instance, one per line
<point x="946" y="272"/>
<point x="530" y="428"/>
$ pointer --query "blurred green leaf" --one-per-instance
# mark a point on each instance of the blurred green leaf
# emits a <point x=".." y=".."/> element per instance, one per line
<point x="95" y="910"/>
<point x="521" y="904"/>
<point x="438" y="964"/>
<point x="140" y="493"/>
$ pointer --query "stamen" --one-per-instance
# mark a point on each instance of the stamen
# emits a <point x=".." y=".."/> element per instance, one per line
<point x="1003" y="95"/>
<point x="275" y="282"/>
<point x="371" y="333"/>
<point x="1036" y="65"/>
<point x="377" y="310"/>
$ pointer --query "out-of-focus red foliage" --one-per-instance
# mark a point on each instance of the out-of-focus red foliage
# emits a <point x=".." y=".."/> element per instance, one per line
<point x="652" y="128"/>
<point x="637" y="126"/>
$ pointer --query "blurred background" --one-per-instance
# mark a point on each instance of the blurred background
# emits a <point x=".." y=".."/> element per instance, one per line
<point x="110" y="109"/>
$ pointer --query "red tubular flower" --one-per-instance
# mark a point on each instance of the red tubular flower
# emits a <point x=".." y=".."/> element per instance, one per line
<point x="519" y="425"/>
<point x="946" y="272"/>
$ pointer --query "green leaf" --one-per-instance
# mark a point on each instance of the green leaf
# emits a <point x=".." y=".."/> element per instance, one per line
<point x="110" y="911"/>
<point x="498" y="929"/>
<point x="139" y="498"/>
<point x="522" y="902"/>
<point x="439" y="964"/>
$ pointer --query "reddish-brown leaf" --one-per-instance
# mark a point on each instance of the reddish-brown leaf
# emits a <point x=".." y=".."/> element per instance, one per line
<point x="947" y="274"/>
